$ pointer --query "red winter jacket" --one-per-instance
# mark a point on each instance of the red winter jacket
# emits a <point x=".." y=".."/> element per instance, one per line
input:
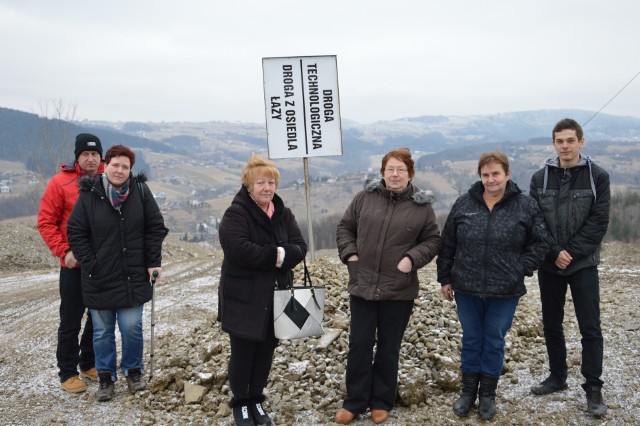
<point x="55" y="208"/>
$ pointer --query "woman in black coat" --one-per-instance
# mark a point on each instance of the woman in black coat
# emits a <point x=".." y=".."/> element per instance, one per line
<point x="261" y="242"/>
<point x="116" y="232"/>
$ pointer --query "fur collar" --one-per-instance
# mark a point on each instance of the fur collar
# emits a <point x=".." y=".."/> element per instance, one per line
<point x="418" y="196"/>
<point x="86" y="182"/>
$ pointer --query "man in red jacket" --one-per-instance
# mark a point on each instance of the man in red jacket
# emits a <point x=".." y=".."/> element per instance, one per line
<point x="55" y="208"/>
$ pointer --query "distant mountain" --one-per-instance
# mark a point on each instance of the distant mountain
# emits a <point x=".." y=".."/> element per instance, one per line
<point x="230" y="142"/>
<point x="441" y="132"/>
<point x="196" y="166"/>
<point x="434" y="133"/>
<point x="443" y="146"/>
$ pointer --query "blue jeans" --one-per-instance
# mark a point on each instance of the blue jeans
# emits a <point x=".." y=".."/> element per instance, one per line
<point x="70" y="354"/>
<point x="585" y="291"/>
<point x="104" y="339"/>
<point x="485" y="323"/>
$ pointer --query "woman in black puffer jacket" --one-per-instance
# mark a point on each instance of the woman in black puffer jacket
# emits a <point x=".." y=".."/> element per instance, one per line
<point x="494" y="236"/>
<point x="116" y="232"/>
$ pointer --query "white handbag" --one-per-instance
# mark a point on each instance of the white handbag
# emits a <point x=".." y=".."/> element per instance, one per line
<point x="298" y="310"/>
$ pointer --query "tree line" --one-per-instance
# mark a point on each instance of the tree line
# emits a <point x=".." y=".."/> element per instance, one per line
<point x="624" y="219"/>
<point x="624" y="223"/>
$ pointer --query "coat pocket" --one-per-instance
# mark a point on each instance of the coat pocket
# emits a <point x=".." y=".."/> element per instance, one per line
<point x="352" y="267"/>
<point x="239" y="286"/>
<point x="580" y="208"/>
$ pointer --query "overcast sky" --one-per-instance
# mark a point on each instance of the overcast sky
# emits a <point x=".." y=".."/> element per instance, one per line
<point x="159" y="60"/>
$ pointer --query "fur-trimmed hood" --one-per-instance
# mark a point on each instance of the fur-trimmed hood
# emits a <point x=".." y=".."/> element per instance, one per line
<point x="418" y="196"/>
<point x="86" y="182"/>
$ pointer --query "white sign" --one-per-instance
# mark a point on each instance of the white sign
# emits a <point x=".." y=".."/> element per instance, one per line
<point x="302" y="106"/>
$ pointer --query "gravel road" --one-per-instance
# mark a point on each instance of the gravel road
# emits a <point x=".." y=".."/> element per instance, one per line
<point x="190" y="347"/>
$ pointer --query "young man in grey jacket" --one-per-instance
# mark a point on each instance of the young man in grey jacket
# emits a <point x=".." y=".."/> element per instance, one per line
<point x="573" y="194"/>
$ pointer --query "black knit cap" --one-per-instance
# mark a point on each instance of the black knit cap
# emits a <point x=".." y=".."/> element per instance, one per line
<point x="87" y="142"/>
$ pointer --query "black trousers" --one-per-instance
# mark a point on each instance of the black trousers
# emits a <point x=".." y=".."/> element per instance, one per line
<point x="585" y="292"/>
<point x="70" y="353"/>
<point x="249" y="365"/>
<point x="371" y="382"/>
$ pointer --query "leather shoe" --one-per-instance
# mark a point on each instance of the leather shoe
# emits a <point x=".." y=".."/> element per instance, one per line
<point x="344" y="416"/>
<point x="549" y="385"/>
<point x="379" y="416"/>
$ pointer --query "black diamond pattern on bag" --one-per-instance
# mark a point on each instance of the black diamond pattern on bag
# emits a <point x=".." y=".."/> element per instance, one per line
<point x="296" y="312"/>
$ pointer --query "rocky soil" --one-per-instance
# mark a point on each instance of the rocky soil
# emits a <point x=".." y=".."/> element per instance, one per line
<point x="306" y="385"/>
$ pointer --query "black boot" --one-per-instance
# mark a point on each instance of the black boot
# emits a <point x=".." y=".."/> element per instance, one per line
<point x="258" y="413"/>
<point x="468" y="393"/>
<point x="487" y="392"/>
<point x="242" y="412"/>
<point x="595" y="403"/>
<point x="106" y="388"/>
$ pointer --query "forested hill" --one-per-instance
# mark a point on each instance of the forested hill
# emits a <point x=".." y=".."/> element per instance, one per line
<point x="22" y="134"/>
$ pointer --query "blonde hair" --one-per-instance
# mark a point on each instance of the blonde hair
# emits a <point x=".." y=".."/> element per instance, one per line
<point x="259" y="166"/>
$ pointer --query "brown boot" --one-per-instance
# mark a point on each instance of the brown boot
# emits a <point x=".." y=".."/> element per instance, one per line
<point x="344" y="416"/>
<point x="74" y="385"/>
<point x="379" y="416"/>
<point x="91" y="374"/>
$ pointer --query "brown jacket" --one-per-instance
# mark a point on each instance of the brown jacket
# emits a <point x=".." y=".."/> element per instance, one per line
<point x="382" y="227"/>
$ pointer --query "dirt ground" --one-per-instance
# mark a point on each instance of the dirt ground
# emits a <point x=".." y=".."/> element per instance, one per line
<point x="30" y="393"/>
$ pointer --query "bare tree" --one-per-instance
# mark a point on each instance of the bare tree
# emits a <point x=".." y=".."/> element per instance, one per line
<point x="54" y="143"/>
<point x="50" y="146"/>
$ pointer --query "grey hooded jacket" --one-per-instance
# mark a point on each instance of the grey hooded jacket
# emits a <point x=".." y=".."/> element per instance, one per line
<point x="575" y="203"/>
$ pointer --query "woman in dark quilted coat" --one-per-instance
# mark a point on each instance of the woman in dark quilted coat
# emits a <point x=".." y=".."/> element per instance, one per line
<point x="262" y="243"/>
<point x="494" y="237"/>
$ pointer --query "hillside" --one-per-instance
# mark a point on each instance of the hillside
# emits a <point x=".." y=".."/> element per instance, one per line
<point x="194" y="168"/>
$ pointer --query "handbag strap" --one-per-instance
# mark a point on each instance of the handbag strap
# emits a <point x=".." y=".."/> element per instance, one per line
<point x="307" y="283"/>
<point x="307" y="276"/>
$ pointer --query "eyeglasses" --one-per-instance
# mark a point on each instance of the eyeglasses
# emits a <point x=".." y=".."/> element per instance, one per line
<point x="391" y="170"/>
